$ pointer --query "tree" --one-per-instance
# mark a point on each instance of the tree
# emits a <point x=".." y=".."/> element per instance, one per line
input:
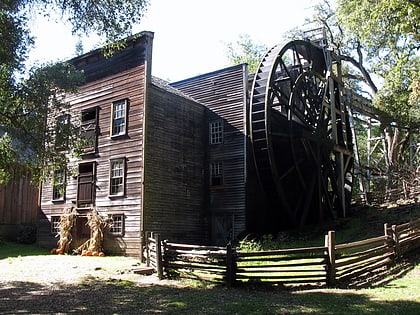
<point x="379" y="42"/>
<point x="26" y="99"/>
<point x="245" y="50"/>
<point x="388" y="33"/>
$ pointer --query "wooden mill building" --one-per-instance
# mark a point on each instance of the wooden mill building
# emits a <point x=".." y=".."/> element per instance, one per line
<point x="167" y="158"/>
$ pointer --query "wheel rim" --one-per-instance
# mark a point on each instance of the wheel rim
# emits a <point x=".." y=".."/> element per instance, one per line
<point x="291" y="132"/>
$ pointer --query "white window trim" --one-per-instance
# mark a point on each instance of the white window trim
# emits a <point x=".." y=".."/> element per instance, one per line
<point x="219" y="134"/>
<point x="124" y="131"/>
<point x="111" y="216"/>
<point x="55" y="228"/>
<point x="62" y="198"/>
<point x="124" y="166"/>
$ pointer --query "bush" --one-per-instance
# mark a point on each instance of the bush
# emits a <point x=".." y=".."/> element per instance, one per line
<point x="26" y="234"/>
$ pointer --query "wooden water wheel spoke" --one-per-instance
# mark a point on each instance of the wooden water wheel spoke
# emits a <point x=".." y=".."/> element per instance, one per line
<point x="301" y="131"/>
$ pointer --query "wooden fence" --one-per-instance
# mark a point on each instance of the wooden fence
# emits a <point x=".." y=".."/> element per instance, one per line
<point x="328" y="265"/>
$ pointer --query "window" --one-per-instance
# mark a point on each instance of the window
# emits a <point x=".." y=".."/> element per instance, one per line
<point x="117" y="221"/>
<point x="59" y="185"/>
<point x="216" y="174"/>
<point x="216" y="132"/>
<point x="117" y="177"/>
<point x="119" y="118"/>
<point x="62" y="132"/>
<point x="55" y="224"/>
<point x="89" y="130"/>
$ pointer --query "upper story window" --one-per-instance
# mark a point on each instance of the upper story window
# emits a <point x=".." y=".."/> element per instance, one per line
<point x="117" y="177"/>
<point x="216" y="132"/>
<point x="216" y="174"/>
<point x="119" y="118"/>
<point x="62" y="132"/>
<point x="59" y="185"/>
<point x="89" y="130"/>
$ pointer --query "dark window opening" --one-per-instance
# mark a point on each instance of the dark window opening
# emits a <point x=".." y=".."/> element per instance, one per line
<point x="216" y="174"/>
<point x="89" y="130"/>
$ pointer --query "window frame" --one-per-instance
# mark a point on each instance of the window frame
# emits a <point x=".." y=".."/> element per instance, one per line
<point x="89" y="127"/>
<point x="216" y="132"/>
<point x="120" y="226"/>
<point x="121" y="193"/>
<point x="62" y="125"/>
<point x="56" y="185"/>
<point x="55" y="224"/>
<point x="216" y="174"/>
<point x="123" y="117"/>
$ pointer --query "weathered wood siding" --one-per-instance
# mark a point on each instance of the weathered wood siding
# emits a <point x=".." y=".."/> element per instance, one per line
<point x="223" y="92"/>
<point x="174" y="162"/>
<point x="124" y="76"/>
<point x="18" y="206"/>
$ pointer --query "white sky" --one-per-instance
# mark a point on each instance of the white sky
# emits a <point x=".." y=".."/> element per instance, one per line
<point x="190" y="36"/>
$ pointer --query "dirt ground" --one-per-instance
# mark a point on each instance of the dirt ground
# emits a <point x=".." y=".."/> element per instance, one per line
<point x="61" y="284"/>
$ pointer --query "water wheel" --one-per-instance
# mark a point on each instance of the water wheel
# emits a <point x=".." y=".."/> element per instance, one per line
<point x="301" y="139"/>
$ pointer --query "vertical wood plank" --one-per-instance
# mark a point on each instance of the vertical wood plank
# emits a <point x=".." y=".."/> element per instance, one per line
<point x="330" y="244"/>
<point x="159" y="257"/>
<point x="230" y="266"/>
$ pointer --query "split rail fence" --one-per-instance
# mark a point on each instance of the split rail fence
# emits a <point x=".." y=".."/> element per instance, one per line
<point x="326" y="265"/>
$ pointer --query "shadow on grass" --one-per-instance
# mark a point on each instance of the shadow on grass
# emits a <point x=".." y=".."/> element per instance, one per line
<point x="383" y="276"/>
<point x="10" y="250"/>
<point x="125" y="297"/>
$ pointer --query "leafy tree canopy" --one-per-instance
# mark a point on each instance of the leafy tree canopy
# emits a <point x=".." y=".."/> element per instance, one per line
<point x="389" y="33"/>
<point x="24" y="94"/>
<point x="245" y="50"/>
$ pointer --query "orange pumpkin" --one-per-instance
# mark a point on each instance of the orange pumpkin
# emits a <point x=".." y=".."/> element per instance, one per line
<point x="88" y="253"/>
<point x="53" y="251"/>
<point x="95" y="253"/>
<point x="101" y="254"/>
<point x="59" y="251"/>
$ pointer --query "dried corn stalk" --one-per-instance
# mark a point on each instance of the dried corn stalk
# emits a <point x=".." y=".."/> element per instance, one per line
<point x="97" y="225"/>
<point x="67" y="221"/>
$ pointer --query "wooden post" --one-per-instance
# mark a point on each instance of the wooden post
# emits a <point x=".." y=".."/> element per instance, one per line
<point x="142" y="246"/>
<point x="159" y="257"/>
<point x="230" y="266"/>
<point x="330" y="244"/>
<point x="396" y="241"/>
<point x="147" y="250"/>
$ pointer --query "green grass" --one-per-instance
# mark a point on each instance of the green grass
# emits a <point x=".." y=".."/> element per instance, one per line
<point x="10" y="250"/>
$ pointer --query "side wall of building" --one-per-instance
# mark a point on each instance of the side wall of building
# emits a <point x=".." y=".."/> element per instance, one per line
<point x="174" y="166"/>
<point x="224" y="93"/>
<point x="18" y="206"/>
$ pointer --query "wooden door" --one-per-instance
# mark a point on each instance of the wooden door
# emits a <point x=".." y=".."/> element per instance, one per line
<point x="80" y="232"/>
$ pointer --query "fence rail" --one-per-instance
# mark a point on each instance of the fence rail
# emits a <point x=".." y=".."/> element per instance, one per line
<point x="324" y="265"/>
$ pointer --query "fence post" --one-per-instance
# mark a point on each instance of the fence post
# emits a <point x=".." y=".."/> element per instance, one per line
<point x="330" y="244"/>
<point x="395" y="237"/>
<point x="230" y="266"/>
<point x="147" y="242"/>
<point x="388" y="237"/>
<point x="159" y="257"/>
<point x="142" y="246"/>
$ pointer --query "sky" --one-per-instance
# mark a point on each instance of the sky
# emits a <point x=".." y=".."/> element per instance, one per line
<point x="190" y="36"/>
